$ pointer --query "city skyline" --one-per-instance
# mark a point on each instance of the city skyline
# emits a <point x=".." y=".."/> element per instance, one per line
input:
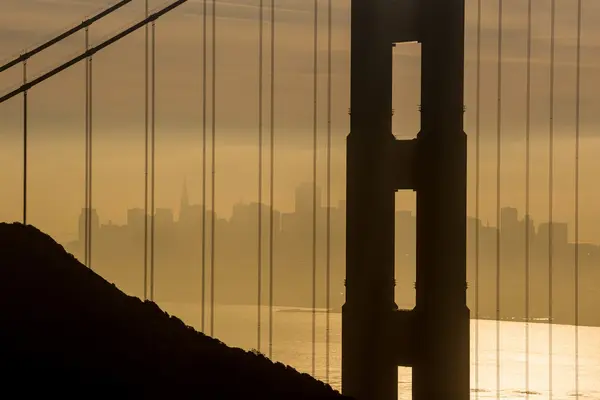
<point x="117" y="254"/>
<point x="265" y="108"/>
<point x="303" y="204"/>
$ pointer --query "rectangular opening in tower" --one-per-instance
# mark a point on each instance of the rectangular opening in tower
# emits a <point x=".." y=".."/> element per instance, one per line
<point x="405" y="248"/>
<point x="406" y="91"/>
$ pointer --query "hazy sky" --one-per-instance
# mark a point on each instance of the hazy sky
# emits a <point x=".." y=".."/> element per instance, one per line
<point x="56" y="107"/>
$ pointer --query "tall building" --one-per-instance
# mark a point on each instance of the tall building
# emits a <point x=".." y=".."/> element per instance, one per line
<point x="509" y="219"/>
<point x="163" y="217"/>
<point x="135" y="219"/>
<point x="184" y="202"/>
<point x="559" y="233"/>
<point x="95" y="223"/>
<point x="304" y="198"/>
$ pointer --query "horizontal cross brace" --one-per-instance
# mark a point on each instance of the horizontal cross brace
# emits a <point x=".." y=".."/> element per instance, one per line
<point x="405" y="21"/>
<point x="405" y="157"/>
<point x="404" y="336"/>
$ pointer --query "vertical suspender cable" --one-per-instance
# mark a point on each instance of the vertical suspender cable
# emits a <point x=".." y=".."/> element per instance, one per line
<point x="551" y="199"/>
<point x="272" y="177"/>
<point x="90" y="62"/>
<point x="87" y="146"/>
<point x="203" y="251"/>
<point x="477" y="193"/>
<point x="527" y="192"/>
<point x="152" y="157"/>
<point x="260" y="167"/>
<point x="577" y="127"/>
<point x="204" y="30"/>
<point x="498" y="187"/>
<point x="25" y="118"/>
<point x="314" y="217"/>
<point x="146" y="111"/>
<point x="328" y="224"/>
<point x="212" y="220"/>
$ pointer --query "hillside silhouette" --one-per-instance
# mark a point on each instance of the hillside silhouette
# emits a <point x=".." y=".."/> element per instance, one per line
<point x="64" y="329"/>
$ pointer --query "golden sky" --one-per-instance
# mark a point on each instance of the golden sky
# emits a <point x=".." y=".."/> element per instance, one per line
<point x="56" y="108"/>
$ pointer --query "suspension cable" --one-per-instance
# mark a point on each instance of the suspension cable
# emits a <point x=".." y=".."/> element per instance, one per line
<point x="204" y="31"/>
<point x="577" y="133"/>
<point x="87" y="146"/>
<point x="90" y="62"/>
<point x="498" y="194"/>
<point x="477" y="193"/>
<point x="314" y="216"/>
<point x="146" y="137"/>
<point x="212" y="221"/>
<point x="551" y="199"/>
<point x="85" y="24"/>
<point x="92" y="51"/>
<point x="152" y="156"/>
<point x="25" y="118"/>
<point x="272" y="177"/>
<point x="260" y="166"/>
<point x="328" y="223"/>
<point x="527" y="193"/>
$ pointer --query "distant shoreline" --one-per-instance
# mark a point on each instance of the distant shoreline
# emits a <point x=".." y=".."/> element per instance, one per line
<point x="337" y="311"/>
<point x="481" y="318"/>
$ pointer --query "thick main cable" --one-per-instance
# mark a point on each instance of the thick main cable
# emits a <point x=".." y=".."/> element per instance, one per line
<point x="498" y="195"/>
<point x="85" y="24"/>
<point x="260" y="167"/>
<point x="328" y="222"/>
<point x="477" y="193"/>
<point x="551" y="199"/>
<point x="272" y="177"/>
<point x="527" y="199"/>
<point x="577" y="134"/>
<point x="204" y="32"/>
<point x="314" y="216"/>
<point x="154" y="16"/>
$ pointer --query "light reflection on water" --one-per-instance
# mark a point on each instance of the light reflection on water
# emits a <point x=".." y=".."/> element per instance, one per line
<point x="292" y="332"/>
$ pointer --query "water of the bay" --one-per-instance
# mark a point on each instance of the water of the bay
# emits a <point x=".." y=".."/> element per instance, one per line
<point x="292" y="344"/>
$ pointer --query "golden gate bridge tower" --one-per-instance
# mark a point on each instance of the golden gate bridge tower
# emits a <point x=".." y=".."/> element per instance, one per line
<point x="434" y="337"/>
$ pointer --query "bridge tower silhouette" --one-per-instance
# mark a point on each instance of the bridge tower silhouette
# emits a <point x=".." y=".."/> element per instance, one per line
<point x="432" y="338"/>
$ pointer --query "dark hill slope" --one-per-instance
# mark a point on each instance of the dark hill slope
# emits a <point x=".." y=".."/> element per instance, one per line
<point x="63" y="327"/>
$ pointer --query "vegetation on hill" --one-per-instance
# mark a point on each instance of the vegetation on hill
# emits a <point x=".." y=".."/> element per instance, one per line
<point x="64" y="329"/>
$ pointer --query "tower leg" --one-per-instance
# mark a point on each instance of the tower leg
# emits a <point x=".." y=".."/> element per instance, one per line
<point x="369" y="369"/>
<point x="441" y="368"/>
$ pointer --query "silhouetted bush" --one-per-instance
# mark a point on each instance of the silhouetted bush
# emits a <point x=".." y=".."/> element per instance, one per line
<point x="65" y="330"/>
